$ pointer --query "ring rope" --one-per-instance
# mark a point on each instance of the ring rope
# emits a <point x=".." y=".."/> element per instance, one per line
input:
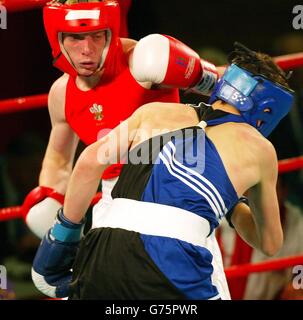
<point x="23" y="103"/>
<point x="243" y="270"/>
<point x="23" y="5"/>
<point x="38" y="101"/>
<point x="291" y="164"/>
<point x="285" y="165"/>
<point x="15" y="212"/>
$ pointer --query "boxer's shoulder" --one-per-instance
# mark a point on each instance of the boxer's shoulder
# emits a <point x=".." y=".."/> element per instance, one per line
<point x="166" y="115"/>
<point x="56" y="97"/>
<point x="60" y="84"/>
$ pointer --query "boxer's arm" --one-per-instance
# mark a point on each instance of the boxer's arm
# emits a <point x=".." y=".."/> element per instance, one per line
<point x="261" y="227"/>
<point x="42" y="203"/>
<point x="92" y="162"/>
<point x="266" y="212"/>
<point x="244" y="223"/>
<point x="128" y="46"/>
<point x="60" y="152"/>
<point x="165" y="61"/>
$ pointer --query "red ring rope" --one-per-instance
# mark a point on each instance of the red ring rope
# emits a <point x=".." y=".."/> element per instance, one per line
<point x="274" y="264"/>
<point x="290" y="61"/>
<point x="15" y="212"/>
<point x="39" y="101"/>
<point x="292" y="164"/>
<point x="23" y="103"/>
<point x="231" y="272"/>
<point x="10" y="213"/>
<point x="22" y="5"/>
<point x="285" y="165"/>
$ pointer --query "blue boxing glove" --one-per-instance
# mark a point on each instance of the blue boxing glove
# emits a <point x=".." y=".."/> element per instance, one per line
<point x="51" y="271"/>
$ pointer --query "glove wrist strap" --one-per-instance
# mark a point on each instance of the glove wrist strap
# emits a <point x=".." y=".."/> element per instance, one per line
<point x="208" y="79"/>
<point x="65" y="230"/>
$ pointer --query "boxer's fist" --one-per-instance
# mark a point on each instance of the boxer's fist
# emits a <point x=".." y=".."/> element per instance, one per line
<point x="164" y="60"/>
<point x="51" y="271"/>
<point x="39" y="209"/>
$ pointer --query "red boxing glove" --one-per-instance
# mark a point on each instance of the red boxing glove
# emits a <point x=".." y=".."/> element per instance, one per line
<point x="37" y="195"/>
<point x="40" y="208"/>
<point x="167" y="61"/>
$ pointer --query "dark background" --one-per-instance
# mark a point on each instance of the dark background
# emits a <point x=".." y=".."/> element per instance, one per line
<point x="26" y="58"/>
<point x="25" y="54"/>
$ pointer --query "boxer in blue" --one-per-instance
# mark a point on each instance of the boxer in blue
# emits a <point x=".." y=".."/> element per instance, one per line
<point x="150" y="243"/>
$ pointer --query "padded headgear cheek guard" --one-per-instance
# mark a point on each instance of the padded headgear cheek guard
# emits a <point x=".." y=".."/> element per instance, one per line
<point x="81" y="18"/>
<point x="261" y="102"/>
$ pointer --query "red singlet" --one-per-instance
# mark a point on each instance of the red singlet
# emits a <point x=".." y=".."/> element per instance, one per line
<point x="106" y="105"/>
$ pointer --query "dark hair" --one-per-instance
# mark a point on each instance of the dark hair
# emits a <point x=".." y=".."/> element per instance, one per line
<point x="258" y="63"/>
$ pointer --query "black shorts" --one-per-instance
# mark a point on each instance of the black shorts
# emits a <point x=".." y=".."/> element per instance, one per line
<point x="113" y="264"/>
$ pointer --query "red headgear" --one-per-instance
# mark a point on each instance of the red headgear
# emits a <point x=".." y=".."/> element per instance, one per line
<point x="79" y="18"/>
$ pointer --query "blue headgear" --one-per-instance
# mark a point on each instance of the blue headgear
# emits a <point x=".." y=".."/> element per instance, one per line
<point x="256" y="97"/>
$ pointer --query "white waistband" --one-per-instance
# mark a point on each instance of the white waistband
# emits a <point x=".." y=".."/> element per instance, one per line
<point x="154" y="219"/>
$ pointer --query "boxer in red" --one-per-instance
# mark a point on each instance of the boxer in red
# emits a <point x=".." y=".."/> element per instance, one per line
<point x="106" y="78"/>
